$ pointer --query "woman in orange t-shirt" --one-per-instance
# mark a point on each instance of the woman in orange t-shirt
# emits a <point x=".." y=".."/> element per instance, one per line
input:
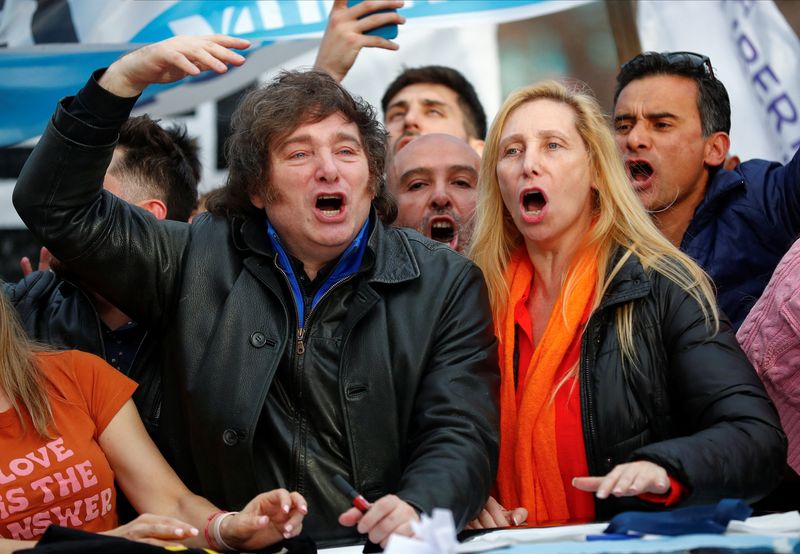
<point x="620" y="387"/>
<point x="68" y="429"/>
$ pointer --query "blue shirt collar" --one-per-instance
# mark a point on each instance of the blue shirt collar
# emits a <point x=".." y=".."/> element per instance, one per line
<point x="349" y="263"/>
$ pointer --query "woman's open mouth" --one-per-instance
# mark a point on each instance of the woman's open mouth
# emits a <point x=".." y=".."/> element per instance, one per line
<point x="533" y="202"/>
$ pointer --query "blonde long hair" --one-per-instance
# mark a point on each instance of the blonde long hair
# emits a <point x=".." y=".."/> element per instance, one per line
<point x="621" y="221"/>
<point x="21" y="379"/>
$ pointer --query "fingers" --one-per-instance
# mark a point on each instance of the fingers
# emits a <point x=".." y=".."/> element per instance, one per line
<point x="299" y="503"/>
<point x="588" y="484"/>
<point x="485" y="520"/>
<point x="374" y="41"/>
<point x="44" y="259"/>
<point x="230" y="42"/>
<point x="629" y="479"/>
<point x="25" y="266"/>
<point x="495" y="515"/>
<point x="378" y="20"/>
<point x="361" y="9"/>
<point x="404" y="529"/>
<point x="518" y="516"/>
<point x="284" y="509"/>
<point x="351" y="517"/>
<point x="149" y="526"/>
<point x="386" y="516"/>
<point x="171" y="60"/>
<point x="496" y="512"/>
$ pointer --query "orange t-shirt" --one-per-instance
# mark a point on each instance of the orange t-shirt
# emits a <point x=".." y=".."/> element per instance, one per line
<point x="67" y="480"/>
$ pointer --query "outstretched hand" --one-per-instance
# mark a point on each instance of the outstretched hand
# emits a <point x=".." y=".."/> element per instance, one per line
<point x="153" y="529"/>
<point x="267" y="519"/>
<point x="344" y="36"/>
<point x="630" y="479"/>
<point x="171" y="60"/>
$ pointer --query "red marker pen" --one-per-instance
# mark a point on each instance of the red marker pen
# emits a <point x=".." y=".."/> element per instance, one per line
<point x="347" y="489"/>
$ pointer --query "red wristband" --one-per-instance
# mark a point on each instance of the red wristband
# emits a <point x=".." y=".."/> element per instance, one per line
<point x="210" y="542"/>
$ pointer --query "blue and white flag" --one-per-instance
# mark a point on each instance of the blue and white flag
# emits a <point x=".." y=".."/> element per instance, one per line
<point x="48" y="49"/>
<point x="756" y="55"/>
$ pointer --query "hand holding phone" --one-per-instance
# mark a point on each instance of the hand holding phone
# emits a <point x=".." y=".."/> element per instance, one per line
<point x="353" y="25"/>
<point x="385" y="31"/>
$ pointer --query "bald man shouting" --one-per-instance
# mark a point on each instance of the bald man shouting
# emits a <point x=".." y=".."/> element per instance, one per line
<point x="434" y="179"/>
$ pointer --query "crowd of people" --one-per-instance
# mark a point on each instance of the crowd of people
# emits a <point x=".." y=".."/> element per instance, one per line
<point x="530" y="323"/>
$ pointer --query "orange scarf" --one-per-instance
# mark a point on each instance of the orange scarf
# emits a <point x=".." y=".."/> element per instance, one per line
<point x="528" y="474"/>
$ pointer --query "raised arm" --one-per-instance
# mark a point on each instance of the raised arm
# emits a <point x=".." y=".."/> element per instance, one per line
<point x="344" y="36"/>
<point x="169" y="61"/>
<point x="118" y="250"/>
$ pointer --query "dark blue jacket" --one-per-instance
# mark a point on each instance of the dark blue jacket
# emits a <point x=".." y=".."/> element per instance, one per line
<point x="747" y="221"/>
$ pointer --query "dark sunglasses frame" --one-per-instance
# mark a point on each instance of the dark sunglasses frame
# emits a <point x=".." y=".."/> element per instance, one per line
<point x="692" y="58"/>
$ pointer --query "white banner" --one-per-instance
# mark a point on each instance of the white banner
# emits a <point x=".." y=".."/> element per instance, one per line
<point x="754" y="53"/>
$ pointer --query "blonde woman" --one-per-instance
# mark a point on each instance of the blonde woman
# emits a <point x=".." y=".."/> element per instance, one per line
<point x="620" y="386"/>
<point x="68" y="429"/>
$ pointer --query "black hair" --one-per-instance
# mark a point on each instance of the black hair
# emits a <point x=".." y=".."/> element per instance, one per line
<point x="162" y="163"/>
<point x="474" y="116"/>
<point x="712" y="97"/>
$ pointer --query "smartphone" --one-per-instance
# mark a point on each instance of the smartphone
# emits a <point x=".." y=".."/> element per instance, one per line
<point x="385" y="31"/>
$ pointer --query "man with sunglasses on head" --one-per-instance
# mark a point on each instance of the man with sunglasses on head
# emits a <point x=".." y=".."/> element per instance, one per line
<point x="672" y="124"/>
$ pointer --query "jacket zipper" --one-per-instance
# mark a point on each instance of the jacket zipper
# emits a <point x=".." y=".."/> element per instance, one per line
<point x="588" y="419"/>
<point x="300" y="333"/>
<point x="299" y="350"/>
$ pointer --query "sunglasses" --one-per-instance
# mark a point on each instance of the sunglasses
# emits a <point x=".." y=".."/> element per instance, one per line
<point x="693" y="59"/>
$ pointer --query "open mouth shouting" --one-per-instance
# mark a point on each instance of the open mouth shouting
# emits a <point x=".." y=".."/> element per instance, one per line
<point x="443" y="229"/>
<point x="534" y="205"/>
<point x="330" y="206"/>
<point x="640" y="172"/>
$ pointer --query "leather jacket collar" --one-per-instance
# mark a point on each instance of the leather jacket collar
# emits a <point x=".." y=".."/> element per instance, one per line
<point x="394" y="261"/>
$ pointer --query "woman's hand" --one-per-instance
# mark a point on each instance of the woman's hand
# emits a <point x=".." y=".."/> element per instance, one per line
<point x="267" y="519"/>
<point x="494" y="515"/>
<point x="630" y="479"/>
<point x="171" y="60"/>
<point x="153" y="529"/>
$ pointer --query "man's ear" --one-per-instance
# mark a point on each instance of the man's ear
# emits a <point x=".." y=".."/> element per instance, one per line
<point x="476" y="144"/>
<point x="716" y="149"/>
<point x="155" y="207"/>
<point x="257" y="200"/>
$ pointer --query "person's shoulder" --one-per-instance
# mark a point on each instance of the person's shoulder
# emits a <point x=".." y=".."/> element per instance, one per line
<point x="431" y="256"/>
<point x="753" y="172"/>
<point x="425" y="246"/>
<point x="67" y="361"/>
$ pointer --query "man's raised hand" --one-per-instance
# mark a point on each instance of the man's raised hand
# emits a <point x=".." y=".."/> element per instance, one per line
<point x="171" y="60"/>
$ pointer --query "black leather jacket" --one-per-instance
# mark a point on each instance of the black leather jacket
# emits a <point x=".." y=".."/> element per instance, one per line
<point x="693" y="404"/>
<point x="410" y="337"/>
<point x="56" y="311"/>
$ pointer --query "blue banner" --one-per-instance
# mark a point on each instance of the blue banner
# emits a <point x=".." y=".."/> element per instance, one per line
<point x="49" y="49"/>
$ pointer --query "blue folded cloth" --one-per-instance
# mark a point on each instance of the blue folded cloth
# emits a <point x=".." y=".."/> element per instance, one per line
<point x="708" y="519"/>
